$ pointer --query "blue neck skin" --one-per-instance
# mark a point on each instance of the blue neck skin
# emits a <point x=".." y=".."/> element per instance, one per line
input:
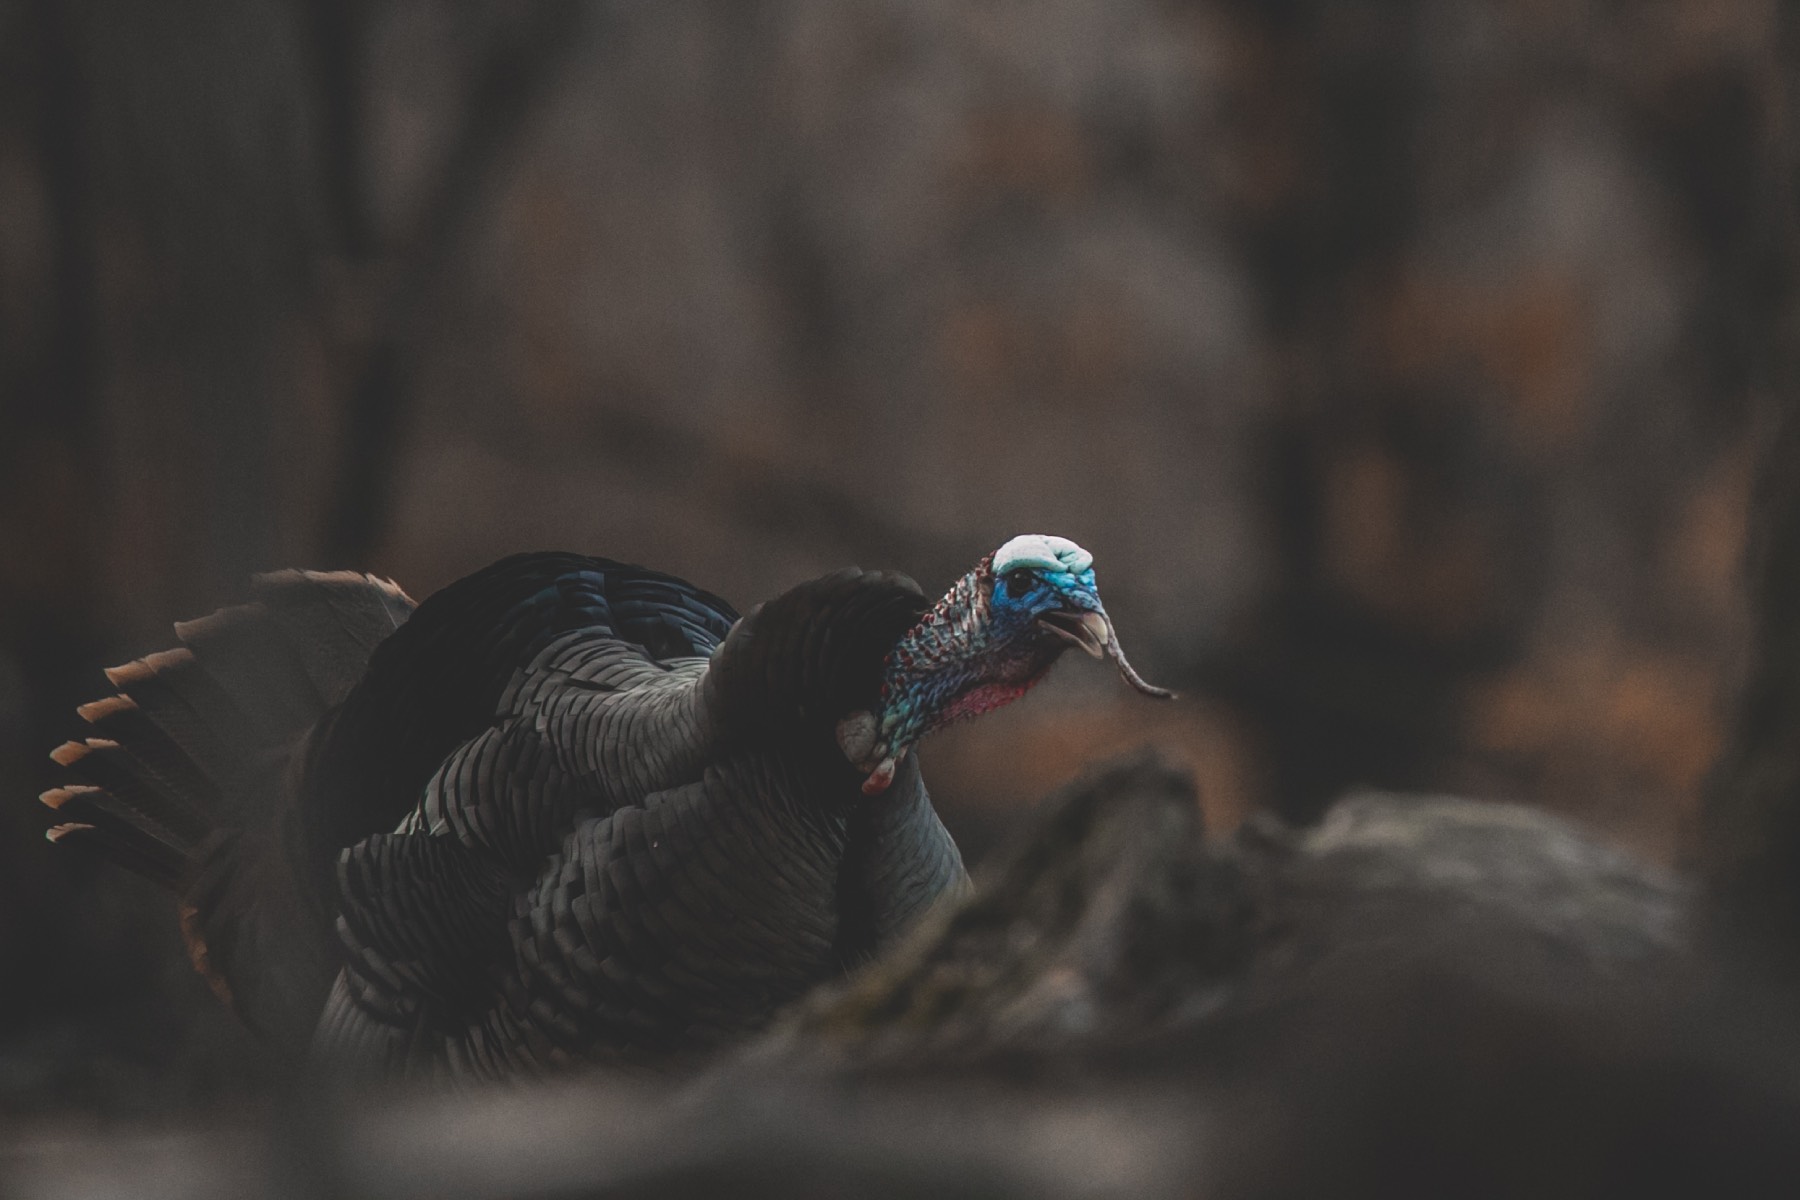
<point x="981" y="646"/>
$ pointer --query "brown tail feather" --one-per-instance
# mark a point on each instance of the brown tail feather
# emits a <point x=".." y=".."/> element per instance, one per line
<point x="253" y="662"/>
<point x="123" y="846"/>
<point x="119" y="719"/>
<point x="187" y="704"/>
<point x="339" y="616"/>
<point x="136" y="785"/>
<point x="187" y="782"/>
<point x="97" y="806"/>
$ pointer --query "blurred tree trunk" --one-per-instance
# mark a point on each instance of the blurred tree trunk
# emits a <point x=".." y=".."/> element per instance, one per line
<point x="1752" y="847"/>
<point x="1486" y="426"/>
<point x="520" y="63"/>
<point x="206" y="343"/>
<point x="156" y="247"/>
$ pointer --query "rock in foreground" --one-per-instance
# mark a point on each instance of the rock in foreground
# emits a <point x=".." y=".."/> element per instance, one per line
<point x="1419" y="996"/>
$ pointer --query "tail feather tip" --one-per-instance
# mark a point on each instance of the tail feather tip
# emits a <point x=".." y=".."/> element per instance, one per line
<point x="140" y="669"/>
<point x="69" y="753"/>
<point x="96" y="711"/>
<point x="56" y="797"/>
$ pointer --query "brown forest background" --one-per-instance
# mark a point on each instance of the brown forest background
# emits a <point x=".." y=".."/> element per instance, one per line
<point x="1406" y="365"/>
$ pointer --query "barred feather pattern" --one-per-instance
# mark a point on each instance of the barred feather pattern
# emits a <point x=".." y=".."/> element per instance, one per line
<point x="639" y="879"/>
<point x="567" y="810"/>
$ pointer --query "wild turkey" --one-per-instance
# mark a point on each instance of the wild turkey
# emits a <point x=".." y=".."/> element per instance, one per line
<point x="566" y="809"/>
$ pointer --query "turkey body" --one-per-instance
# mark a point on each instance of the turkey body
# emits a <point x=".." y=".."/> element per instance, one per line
<point x="567" y="810"/>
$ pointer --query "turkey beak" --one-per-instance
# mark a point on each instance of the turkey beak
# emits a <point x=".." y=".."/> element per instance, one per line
<point x="1089" y="630"/>
<point x="1094" y="633"/>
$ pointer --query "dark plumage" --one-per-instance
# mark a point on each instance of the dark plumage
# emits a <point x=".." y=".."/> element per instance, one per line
<point x="565" y="810"/>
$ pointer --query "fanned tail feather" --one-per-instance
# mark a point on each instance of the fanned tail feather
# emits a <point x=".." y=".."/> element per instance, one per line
<point x="184" y="779"/>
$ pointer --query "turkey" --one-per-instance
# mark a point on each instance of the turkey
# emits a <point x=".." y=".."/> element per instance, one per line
<point x="564" y="811"/>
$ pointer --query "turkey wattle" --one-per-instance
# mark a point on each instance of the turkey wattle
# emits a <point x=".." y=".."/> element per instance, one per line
<point x="565" y="810"/>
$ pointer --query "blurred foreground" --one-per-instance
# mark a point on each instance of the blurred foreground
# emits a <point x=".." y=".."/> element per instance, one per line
<point x="1421" y="997"/>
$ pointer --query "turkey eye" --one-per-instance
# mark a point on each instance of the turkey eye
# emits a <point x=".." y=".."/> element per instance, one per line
<point x="1019" y="582"/>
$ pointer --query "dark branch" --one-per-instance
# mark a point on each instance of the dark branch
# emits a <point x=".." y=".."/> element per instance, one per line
<point x="519" y="71"/>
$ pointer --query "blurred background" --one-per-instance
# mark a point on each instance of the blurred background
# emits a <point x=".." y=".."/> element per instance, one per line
<point x="1404" y="364"/>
